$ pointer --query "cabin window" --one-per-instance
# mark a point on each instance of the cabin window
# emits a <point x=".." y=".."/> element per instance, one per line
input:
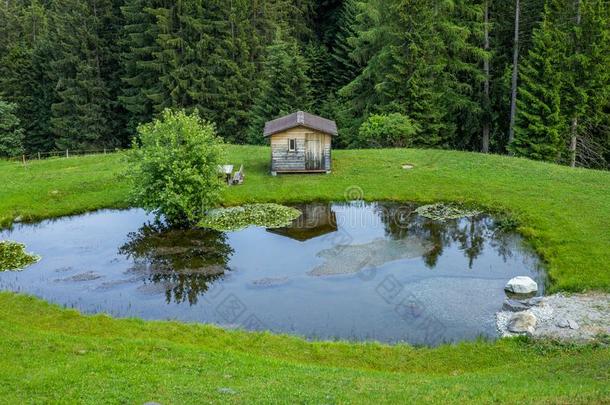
<point x="292" y="145"/>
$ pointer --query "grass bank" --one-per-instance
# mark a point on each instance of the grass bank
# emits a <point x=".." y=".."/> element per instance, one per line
<point x="564" y="212"/>
<point x="56" y="355"/>
<point x="49" y="354"/>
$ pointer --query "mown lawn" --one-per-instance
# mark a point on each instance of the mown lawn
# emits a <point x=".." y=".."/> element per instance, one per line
<point x="48" y="354"/>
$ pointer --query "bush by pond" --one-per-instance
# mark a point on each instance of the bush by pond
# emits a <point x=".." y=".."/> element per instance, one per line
<point x="173" y="167"/>
<point x="14" y="257"/>
<point x="235" y="218"/>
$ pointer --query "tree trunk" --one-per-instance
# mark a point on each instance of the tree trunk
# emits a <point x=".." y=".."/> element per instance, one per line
<point x="486" y="118"/>
<point x="573" y="141"/>
<point x="513" y="98"/>
<point x="574" y="127"/>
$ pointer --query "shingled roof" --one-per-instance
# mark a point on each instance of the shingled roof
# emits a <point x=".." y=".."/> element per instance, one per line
<point x="300" y="118"/>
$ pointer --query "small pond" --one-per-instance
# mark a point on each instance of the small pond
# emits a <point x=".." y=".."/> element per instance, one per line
<point x="355" y="271"/>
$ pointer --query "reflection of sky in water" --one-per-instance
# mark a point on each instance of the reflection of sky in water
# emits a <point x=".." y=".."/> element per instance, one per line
<point x="393" y="275"/>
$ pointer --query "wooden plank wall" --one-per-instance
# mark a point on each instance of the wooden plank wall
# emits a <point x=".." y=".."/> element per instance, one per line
<point x="284" y="160"/>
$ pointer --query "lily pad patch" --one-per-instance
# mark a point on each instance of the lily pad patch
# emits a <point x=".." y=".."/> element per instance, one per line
<point x="14" y="257"/>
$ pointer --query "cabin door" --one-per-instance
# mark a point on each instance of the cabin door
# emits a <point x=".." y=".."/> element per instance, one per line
<point x="313" y="152"/>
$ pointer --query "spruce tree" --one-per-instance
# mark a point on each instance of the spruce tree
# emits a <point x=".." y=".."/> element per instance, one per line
<point x="85" y="68"/>
<point x="344" y="67"/>
<point x="285" y="87"/>
<point x="140" y="78"/>
<point x="11" y="133"/>
<point x="540" y="125"/>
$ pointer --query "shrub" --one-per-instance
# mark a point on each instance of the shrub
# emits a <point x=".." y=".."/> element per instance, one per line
<point x="173" y="167"/>
<point x="386" y="131"/>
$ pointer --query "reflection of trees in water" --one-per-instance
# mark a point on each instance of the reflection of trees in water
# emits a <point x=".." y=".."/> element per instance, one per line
<point x="183" y="262"/>
<point x="470" y="233"/>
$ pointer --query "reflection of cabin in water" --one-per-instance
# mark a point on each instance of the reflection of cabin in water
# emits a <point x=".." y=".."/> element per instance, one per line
<point x="300" y="143"/>
<point x="317" y="220"/>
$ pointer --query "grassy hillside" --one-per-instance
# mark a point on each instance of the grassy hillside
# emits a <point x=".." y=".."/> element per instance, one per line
<point x="48" y="354"/>
<point x="564" y="212"/>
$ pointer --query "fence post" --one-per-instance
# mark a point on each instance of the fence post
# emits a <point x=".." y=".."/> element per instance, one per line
<point x="23" y="157"/>
<point x="104" y="151"/>
<point x="67" y="155"/>
<point x="38" y="155"/>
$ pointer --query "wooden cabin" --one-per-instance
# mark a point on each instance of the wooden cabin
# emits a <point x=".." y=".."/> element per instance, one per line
<point x="300" y="143"/>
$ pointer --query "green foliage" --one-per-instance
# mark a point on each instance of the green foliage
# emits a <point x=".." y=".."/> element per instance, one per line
<point x="173" y="167"/>
<point x="85" y="73"/>
<point x="386" y="131"/>
<point x="11" y="133"/>
<point x="14" y="257"/>
<point x="235" y="218"/>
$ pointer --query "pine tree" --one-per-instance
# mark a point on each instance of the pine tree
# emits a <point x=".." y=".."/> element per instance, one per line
<point x="285" y="87"/>
<point x="540" y="124"/>
<point x="319" y="65"/>
<point x="344" y="68"/>
<point x="587" y="79"/>
<point x="24" y="79"/>
<point x="11" y="133"/>
<point x="85" y="68"/>
<point x="140" y="79"/>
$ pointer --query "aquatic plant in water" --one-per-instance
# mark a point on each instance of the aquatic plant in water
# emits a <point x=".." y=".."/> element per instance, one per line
<point x="235" y="218"/>
<point x="442" y="212"/>
<point x="14" y="257"/>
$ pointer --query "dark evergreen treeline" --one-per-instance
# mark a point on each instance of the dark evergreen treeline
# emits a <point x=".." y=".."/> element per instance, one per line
<point x="84" y="73"/>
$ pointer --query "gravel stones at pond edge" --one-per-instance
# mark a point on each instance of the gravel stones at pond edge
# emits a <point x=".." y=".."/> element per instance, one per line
<point x="578" y="317"/>
<point x="522" y="322"/>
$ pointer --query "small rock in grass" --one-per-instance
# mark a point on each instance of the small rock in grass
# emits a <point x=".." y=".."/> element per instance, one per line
<point x="521" y="285"/>
<point x="225" y="390"/>
<point x="522" y="322"/>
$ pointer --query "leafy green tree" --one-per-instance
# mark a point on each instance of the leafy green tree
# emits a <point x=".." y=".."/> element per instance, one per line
<point x="386" y="131"/>
<point x="173" y="167"/>
<point x="285" y="87"/>
<point x="11" y="133"/>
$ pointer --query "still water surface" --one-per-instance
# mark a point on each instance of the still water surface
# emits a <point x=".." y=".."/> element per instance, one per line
<point x="356" y="271"/>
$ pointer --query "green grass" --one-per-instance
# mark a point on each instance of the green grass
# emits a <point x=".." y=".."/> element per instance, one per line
<point x="54" y="355"/>
<point x="48" y="354"/>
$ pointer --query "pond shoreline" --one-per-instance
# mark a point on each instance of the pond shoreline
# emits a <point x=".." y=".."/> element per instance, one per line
<point x="571" y="318"/>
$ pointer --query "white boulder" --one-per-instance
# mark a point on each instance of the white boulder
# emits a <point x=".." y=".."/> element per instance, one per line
<point x="521" y="285"/>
